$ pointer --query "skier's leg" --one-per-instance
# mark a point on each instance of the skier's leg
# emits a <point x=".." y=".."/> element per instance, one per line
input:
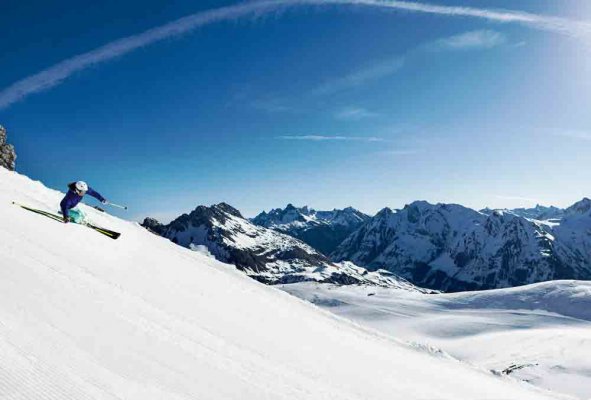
<point x="77" y="216"/>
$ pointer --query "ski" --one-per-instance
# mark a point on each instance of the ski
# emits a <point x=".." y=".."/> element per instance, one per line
<point x="107" y="232"/>
<point x="41" y="212"/>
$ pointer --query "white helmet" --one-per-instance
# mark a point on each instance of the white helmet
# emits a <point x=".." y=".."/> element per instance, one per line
<point x="81" y="186"/>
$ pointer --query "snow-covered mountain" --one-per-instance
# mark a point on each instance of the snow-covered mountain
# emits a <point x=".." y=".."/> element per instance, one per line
<point x="323" y="230"/>
<point x="139" y="318"/>
<point x="537" y="333"/>
<point x="539" y="212"/>
<point x="574" y="232"/>
<point x="264" y="254"/>
<point x="450" y="247"/>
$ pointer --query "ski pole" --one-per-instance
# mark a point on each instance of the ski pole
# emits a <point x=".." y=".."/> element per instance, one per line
<point x="116" y="205"/>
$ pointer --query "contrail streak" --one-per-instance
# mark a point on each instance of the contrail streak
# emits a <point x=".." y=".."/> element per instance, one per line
<point x="59" y="72"/>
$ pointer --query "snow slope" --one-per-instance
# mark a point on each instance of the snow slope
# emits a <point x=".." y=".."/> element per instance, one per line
<point x="86" y="317"/>
<point x="544" y="328"/>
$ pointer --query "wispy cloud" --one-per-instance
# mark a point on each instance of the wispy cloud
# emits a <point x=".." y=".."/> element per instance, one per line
<point x="56" y="74"/>
<point x="323" y="138"/>
<point x="478" y="39"/>
<point x="364" y="75"/>
<point x="578" y="135"/>
<point x="548" y="23"/>
<point x="59" y="72"/>
<point x="354" y="114"/>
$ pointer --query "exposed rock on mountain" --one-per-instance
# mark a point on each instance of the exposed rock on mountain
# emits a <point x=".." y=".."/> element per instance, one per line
<point x="452" y="248"/>
<point x="574" y="234"/>
<point x="7" y="153"/>
<point x="323" y="230"/>
<point x="153" y="225"/>
<point x="580" y="208"/>
<point x="264" y="254"/>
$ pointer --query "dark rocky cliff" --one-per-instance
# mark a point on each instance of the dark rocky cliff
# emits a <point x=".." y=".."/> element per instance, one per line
<point x="7" y="153"/>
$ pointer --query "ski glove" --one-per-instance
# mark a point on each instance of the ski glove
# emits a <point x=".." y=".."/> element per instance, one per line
<point x="104" y="201"/>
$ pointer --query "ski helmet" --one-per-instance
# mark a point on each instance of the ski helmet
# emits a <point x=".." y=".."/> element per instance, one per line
<point x="81" y="187"/>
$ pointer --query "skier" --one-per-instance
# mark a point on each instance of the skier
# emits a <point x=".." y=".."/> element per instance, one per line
<point x="76" y="192"/>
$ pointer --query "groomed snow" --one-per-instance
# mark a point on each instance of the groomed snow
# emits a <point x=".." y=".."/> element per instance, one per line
<point x="546" y="327"/>
<point x="86" y="317"/>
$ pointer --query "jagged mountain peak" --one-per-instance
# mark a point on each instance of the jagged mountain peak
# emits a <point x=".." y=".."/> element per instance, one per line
<point x="423" y="204"/>
<point x="225" y="207"/>
<point x="539" y="212"/>
<point x="220" y="210"/>
<point x="323" y="230"/>
<point x="306" y="215"/>
<point x="349" y="210"/>
<point x="384" y="212"/>
<point x="152" y="224"/>
<point x="502" y="213"/>
<point x="280" y="216"/>
<point x="580" y="207"/>
<point x="540" y="207"/>
<point x="151" y="221"/>
<point x="424" y="215"/>
<point x="201" y="215"/>
<point x="347" y="217"/>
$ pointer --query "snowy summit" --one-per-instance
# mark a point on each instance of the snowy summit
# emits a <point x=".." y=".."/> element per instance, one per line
<point x="323" y="230"/>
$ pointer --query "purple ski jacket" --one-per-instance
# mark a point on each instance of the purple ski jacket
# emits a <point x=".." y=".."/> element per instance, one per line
<point x="71" y="199"/>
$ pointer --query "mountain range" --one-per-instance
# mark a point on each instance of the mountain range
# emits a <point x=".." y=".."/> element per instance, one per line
<point x="264" y="254"/>
<point x="323" y="230"/>
<point x="445" y="247"/>
<point x="453" y="248"/>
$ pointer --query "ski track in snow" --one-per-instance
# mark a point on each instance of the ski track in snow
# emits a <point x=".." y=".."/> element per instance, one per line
<point x="546" y="326"/>
<point x="85" y="317"/>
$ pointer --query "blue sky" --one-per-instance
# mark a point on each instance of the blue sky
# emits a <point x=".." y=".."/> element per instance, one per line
<point x="328" y="105"/>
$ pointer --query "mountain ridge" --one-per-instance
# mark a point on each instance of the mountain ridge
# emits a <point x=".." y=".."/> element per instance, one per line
<point x="323" y="230"/>
<point x="451" y="247"/>
<point x="440" y="246"/>
<point x="264" y="254"/>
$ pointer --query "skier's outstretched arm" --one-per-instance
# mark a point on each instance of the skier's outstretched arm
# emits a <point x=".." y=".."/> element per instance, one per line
<point x="96" y="195"/>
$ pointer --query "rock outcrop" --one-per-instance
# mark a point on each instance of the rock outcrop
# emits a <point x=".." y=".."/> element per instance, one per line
<point x="7" y="153"/>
